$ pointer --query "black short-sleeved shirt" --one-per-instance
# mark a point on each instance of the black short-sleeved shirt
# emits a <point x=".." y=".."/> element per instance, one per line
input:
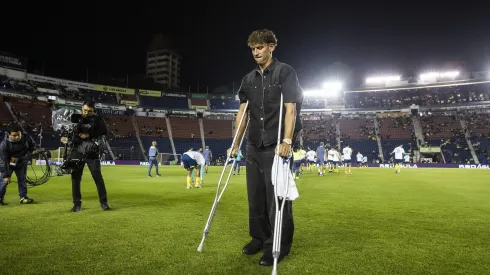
<point x="264" y="96"/>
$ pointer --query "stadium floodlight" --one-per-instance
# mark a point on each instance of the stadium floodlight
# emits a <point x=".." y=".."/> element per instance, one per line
<point x="432" y="75"/>
<point x="332" y="88"/>
<point x="450" y="74"/>
<point x="383" y="79"/>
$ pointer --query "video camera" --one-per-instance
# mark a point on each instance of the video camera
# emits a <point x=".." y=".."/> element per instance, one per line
<point x="70" y="123"/>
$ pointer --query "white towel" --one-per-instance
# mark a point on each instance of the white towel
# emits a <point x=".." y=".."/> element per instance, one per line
<point x="281" y="175"/>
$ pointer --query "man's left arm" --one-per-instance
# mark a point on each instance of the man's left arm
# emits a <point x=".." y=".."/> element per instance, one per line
<point x="292" y="95"/>
<point x="99" y="129"/>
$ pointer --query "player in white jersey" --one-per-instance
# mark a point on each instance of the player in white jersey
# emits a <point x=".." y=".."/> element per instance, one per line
<point x="398" y="152"/>
<point x="193" y="160"/>
<point x="347" y="154"/>
<point x="310" y="157"/>
<point x="330" y="155"/>
<point x="336" y="160"/>
<point x="359" y="159"/>
<point x="406" y="158"/>
<point x="364" y="161"/>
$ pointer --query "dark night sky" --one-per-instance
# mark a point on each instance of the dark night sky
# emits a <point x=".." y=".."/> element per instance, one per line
<point x="314" y="37"/>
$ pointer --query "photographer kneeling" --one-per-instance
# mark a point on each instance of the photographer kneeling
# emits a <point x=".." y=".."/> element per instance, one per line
<point x="86" y="149"/>
<point x="15" y="152"/>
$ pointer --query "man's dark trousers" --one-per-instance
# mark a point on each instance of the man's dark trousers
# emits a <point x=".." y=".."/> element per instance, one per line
<point x="20" y="172"/>
<point x="76" y="178"/>
<point x="261" y="200"/>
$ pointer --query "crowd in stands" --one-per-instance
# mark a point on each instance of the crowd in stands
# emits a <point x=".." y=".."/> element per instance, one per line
<point x="438" y="129"/>
<point x="448" y="95"/>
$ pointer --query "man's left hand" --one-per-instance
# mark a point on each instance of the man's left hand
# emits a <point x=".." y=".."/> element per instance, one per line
<point x="84" y="136"/>
<point x="284" y="150"/>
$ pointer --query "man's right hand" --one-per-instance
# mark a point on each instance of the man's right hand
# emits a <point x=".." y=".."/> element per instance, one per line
<point x="6" y="180"/>
<point x="234" y="152"/>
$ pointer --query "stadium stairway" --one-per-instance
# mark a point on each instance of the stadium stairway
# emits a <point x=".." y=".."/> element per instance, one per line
<point x="417" y="127"/>
<point x="136" y="129"/>
<point x="170" y="136"/>
<point x="468" y="140"/>
<point x="378" y="140"/>
<point x="201" y="130"/>
<point x="337" y="130"/>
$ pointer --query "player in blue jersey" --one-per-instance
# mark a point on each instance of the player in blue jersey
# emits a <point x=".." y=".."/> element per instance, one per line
<point x="238" y="161"/>
<point x="208" y="155"/>
<point x="320" y="155"/>
<point x="152" y="158"/>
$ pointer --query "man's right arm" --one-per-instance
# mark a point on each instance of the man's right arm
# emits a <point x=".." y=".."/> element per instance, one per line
<point x="240" y="131"/>
<point x="4" y="161"/>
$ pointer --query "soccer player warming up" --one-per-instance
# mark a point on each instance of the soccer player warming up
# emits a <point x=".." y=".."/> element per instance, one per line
<point x="311" y="159"/>
<point x="359" y="159"/>
<point x="399" y="152"/>
<point x="193" y="161"/>
<point x="336" y="160"/>
<point x="320" y="154"/>
<point x="297" y="157"/>
<point x="347" y="152"/>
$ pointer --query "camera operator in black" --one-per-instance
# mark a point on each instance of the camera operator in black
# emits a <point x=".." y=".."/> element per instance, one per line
<point x="15" y="152"/>
<point x="97" y="129"/>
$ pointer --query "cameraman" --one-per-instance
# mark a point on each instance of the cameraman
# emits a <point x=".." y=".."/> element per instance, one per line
<point x="15" y="152"/>
<point x="88" y="146"/>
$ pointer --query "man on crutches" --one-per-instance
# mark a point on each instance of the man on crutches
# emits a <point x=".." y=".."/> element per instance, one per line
<point x="264" y="88"/>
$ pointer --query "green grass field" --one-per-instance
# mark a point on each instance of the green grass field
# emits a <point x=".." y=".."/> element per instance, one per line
<point x="424" y="221"/>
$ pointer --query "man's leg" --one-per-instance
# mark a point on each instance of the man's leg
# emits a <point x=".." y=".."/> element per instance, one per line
<point x="76" y="178"/>
<point x="238" y="166"/>
<point x="201" y="174"/>
<point x="198" y="176"/>
<point x="189" y="178"/>
<point x="95" y="170"/>
<point x="156" y="166"/>
<point x="150" y="165"/>
<point x="3" y="189"/>
<point x="20" y="172"/>
<point x="259" y="226"/>
<point x="266" y="158"/>
<point x="193" y="176"/>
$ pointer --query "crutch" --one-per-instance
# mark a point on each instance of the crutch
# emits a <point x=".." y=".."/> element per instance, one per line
<point x="218" y="194"/>
<point x="276" y="244"/>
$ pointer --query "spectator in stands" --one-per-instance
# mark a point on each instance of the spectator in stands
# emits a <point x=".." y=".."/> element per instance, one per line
<point x="262" y="88"/>
<point x="15" y="152"/>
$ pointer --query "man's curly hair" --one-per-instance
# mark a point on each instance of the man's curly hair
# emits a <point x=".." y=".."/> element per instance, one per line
<point x="263" y="36"/>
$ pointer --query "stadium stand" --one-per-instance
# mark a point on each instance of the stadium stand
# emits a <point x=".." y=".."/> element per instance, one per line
<point x="440" y="128"/>
<point x="359" y="133"/>
<point x="478" y="128"/>
<point x="199" y="102"/>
